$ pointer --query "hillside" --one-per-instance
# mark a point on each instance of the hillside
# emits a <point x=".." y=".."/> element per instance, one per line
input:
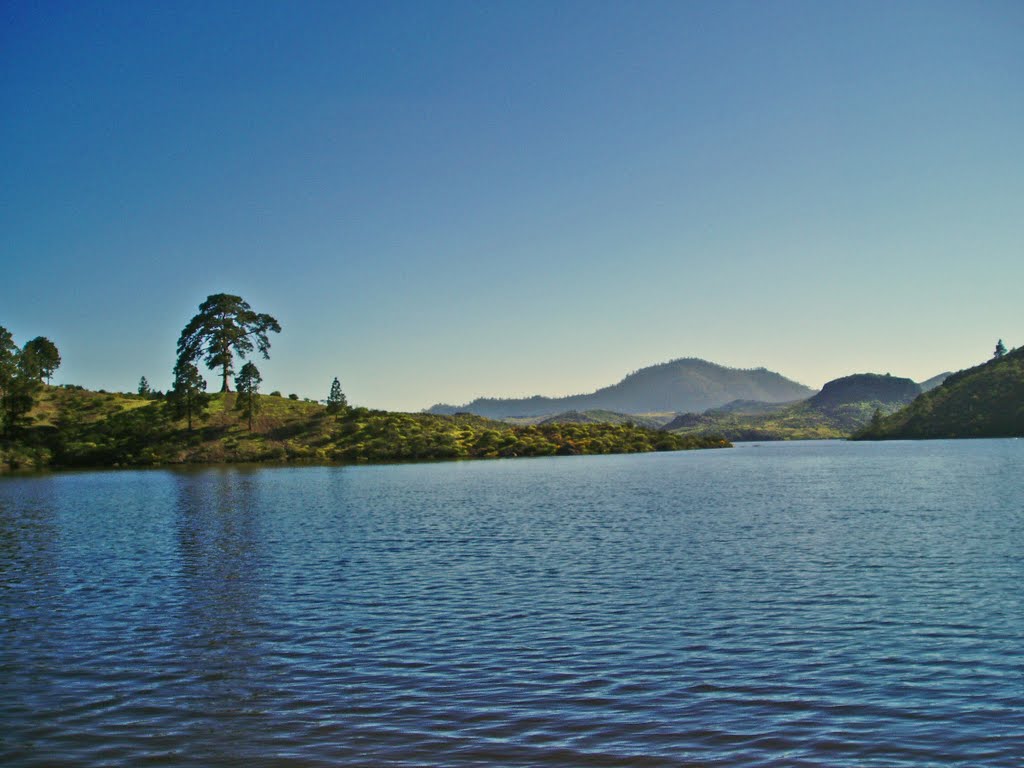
<point x="687" y="384"/>
<point x="73" y="427"/>
<point x="843" y="406"/>
<point x="605" y="417"/>
<point x="984" y="401"/>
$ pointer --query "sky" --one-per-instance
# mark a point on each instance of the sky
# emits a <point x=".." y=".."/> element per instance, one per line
<point x="446" y="200"/>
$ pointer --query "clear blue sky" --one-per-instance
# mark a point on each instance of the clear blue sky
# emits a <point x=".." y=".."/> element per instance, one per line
<point x="446" y="200"/>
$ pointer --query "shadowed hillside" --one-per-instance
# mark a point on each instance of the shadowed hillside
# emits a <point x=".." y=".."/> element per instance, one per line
<point x="687" y="384"/>
<point x="984" y="401"/>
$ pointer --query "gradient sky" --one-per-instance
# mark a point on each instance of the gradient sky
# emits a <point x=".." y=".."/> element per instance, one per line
<point x="440" y="201"/>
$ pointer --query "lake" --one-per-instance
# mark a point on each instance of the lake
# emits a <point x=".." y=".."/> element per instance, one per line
<point x="797" y="604"/>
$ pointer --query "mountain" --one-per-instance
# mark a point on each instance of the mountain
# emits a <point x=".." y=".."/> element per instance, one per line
<point x="984" y="401"/>
<point x="686" y="384"/>
<point x="843" y="406"/>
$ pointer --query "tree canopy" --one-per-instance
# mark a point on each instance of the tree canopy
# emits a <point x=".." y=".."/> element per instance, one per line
<point x="225" y="326"/>
<point x="42" y="358"/>
<point x="1000" y="349"/>
<point x="20" y="377"/>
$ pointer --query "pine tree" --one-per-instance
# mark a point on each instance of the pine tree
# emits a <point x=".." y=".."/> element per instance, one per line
<point x="336" y="402"/>
<point x="188" y="398"/>
<point x="144" y="389"/>
<point x="225" y="326"/>
<point x="1000" y="349"/>
<point x="248" y="385"/>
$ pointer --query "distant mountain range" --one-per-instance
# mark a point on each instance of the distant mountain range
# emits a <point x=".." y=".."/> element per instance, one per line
<point x="686" y="384"/>
<point x="984" y="401"/>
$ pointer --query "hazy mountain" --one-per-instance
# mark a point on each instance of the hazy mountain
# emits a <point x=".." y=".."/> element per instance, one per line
<point x="843" y="406"/>
<point x="687" y="384"/>
<point x="984" y="401"/>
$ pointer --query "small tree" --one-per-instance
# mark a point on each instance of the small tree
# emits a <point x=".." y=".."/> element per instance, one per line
<point x="144" y="389"/>
<point x="188" y="398"/>
<point x="336" y="402"/>
<point x="1000" y="349"/>
<point x="248" y="385"/>
<point x="42" y="357"/>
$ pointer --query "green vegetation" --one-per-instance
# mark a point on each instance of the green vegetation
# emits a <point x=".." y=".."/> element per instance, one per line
<point x="73" y="427"/>
<point x="842" y="407"/>
<point x="984" y="401"/>
<point x="21" y="378"/>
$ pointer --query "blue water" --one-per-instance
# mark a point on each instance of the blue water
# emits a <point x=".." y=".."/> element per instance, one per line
<point x="817" y="604"/>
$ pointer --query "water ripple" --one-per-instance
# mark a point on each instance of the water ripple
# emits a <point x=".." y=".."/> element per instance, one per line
<point x="799" y="605"/>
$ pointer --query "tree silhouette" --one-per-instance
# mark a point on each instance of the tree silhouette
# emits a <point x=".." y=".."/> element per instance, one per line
<point x="248" y="385"/>
<point x="225" y="326"/>
<point x="1000" y="349"/>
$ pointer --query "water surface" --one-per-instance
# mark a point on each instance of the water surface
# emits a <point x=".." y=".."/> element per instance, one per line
<point x="819" y="603"/>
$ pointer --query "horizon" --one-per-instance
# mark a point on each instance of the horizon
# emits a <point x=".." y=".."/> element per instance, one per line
<point x="441" y="202"/>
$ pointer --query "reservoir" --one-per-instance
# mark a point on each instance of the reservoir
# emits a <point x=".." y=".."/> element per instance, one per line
<point x="797" y="604"/>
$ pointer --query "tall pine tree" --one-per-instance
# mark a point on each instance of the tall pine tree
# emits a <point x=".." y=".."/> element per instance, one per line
<point x="336" y="402"/>
<point x="248" y="385"/>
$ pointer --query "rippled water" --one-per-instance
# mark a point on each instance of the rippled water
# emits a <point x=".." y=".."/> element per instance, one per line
<point x="787" y="604"/>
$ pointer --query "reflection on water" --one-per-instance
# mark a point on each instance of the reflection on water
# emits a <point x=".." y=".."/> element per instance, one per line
<point x="802" y="604"/>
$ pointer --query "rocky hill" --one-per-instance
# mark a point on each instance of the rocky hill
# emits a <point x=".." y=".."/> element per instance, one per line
<point x="865" y="387"/>
<point x="687" y="384"/>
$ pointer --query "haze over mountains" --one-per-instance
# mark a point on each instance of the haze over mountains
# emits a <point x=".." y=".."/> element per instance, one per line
<point x="686" y="384"/>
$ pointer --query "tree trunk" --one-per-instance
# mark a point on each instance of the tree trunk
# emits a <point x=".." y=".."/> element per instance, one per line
<point x="225" y="387"/>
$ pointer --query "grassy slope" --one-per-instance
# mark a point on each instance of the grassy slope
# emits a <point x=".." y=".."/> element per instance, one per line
<point x="74" y="427"/>
<point x="984" y="401"/>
